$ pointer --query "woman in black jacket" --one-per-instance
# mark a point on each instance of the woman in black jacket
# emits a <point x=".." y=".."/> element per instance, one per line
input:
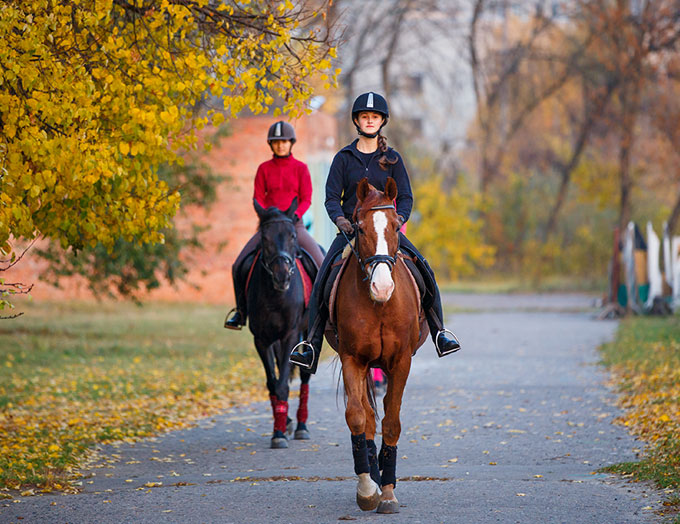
<point x="368" y="156"/>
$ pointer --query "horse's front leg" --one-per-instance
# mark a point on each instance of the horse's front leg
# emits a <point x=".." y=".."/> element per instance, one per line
<point x="279" y="409"/>
<point x="391" y="429"/>
<point x="282" y="351"/>
<point x="354" y="378"/>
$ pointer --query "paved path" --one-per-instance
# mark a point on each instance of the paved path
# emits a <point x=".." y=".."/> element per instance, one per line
<point x="510" y="430"/>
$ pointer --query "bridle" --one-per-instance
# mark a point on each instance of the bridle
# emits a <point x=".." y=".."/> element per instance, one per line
<point x="369" y="264"/>
<point x="287" y="259"/>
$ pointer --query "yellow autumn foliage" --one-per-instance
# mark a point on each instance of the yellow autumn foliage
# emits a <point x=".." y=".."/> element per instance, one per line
<point x="74" y="375"/>
<point x="446" y="227"/>
<point x="95" y="94"/>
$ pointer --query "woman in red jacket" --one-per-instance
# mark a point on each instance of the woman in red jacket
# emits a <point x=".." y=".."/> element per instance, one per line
<point x="277" y="182"/>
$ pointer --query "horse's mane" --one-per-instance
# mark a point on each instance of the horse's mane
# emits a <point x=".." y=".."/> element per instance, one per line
<point x="271" y="213"/>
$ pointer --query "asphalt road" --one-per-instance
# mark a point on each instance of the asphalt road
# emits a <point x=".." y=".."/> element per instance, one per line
<point x="511" y="429"/>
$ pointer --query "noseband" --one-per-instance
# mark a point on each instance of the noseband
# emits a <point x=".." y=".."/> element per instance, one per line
<point x="373" y="261"/>
<point x="287" y="259"/>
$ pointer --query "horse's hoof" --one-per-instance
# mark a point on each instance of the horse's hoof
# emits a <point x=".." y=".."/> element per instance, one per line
<point x="368" y="503"/>
<point x="279" y="440"/>
<point x="388" y="506"/>
<point x="279" y="443"/>
<point x="302" y="434"/>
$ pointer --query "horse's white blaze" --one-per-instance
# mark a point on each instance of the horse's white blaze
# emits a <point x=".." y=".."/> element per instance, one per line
<point x="366" y="487"/>
<point x="382" y="284"/>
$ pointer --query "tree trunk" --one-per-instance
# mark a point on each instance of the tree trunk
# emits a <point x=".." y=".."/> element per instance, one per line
<point x="630" y="100"/>
<point x="590" y="118"/>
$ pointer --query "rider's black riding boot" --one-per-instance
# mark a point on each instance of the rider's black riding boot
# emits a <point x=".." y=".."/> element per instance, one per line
<point x="445" y="342"/>
<point x="236" y="318"/>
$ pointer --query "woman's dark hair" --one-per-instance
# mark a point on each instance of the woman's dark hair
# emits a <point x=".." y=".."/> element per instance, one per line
<point x="384" y="160"/>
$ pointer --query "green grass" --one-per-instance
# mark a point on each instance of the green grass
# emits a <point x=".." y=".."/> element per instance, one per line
<point x="645" y="343"/>
<point x="645" y="359"/>
<point x="513" y="284"/>
<point x="76" y="374"/>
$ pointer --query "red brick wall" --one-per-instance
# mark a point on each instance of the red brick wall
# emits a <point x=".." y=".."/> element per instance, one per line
<point x="232" y="218"/>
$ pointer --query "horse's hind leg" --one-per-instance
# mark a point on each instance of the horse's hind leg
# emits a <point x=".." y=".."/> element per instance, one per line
<point x="354" y="376"/>
<point x="391" y="429"/>
<point x="301" y="432"/>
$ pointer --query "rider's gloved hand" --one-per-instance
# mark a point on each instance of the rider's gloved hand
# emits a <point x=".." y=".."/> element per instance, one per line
<point x="344" y="225"/>
<point x="401" y="220"/>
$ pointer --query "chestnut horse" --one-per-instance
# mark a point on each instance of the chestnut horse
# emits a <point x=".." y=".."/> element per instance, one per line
<point x="377" y="312"/>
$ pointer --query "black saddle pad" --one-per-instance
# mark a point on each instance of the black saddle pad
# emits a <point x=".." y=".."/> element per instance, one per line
<point x="416" y="275"/>
<point x="332" y="275"/>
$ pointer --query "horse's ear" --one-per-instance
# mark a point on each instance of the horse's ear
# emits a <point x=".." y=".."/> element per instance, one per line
<point x="362" y="189"/>
<point x="292" y="208"/>
<point x="391" y="189"/>
<point x="258" y="208"/>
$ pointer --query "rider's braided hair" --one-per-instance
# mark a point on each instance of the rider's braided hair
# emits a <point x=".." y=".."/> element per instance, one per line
<point x="384" y="160"/>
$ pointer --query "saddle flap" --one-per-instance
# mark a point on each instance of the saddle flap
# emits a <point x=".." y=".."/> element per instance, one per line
<point x="308" y="263"/>
<point x="306" y="280"/>
<point x="249" y="264"/>
<point x="419" y="286"/>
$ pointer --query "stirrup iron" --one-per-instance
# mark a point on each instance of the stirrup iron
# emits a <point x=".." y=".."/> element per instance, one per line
<point x="299" y="349"/>
<point x="236" y="327"/>
<point x="440" y="352"/>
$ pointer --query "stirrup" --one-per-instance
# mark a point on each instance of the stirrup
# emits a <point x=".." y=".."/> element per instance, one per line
<point x="227" y="325"/>
<point x="440" y="352"/>
<point x="298" y="350"/>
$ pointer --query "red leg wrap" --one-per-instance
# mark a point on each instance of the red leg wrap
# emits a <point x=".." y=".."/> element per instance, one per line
<point x="302" y="412"/>
<point x="280" y="415"/>
<point x="272" y="399"/>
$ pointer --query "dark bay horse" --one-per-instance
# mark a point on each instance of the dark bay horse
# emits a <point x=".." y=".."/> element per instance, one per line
<point x="278" y="319"/>
<point x="377" y="311"/>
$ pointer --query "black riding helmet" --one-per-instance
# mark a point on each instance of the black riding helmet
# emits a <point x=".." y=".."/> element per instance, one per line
<point x="370" y="102"/>
<point x="281" y="131"/>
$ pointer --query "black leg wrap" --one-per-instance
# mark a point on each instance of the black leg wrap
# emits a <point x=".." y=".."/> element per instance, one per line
<point x="373" y="461"/>
<point x="388" y="464"/>
<point x="360" y="454"/>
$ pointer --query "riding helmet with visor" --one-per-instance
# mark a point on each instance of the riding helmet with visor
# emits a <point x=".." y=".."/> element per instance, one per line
<point x="281" y="131"/>
<point x="370" y="102"/>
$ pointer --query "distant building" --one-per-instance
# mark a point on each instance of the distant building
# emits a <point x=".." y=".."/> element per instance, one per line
<point x="232" y="219"/>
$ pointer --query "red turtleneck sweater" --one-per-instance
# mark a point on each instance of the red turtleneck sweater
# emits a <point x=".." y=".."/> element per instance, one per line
<point x="279" y="180"/>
